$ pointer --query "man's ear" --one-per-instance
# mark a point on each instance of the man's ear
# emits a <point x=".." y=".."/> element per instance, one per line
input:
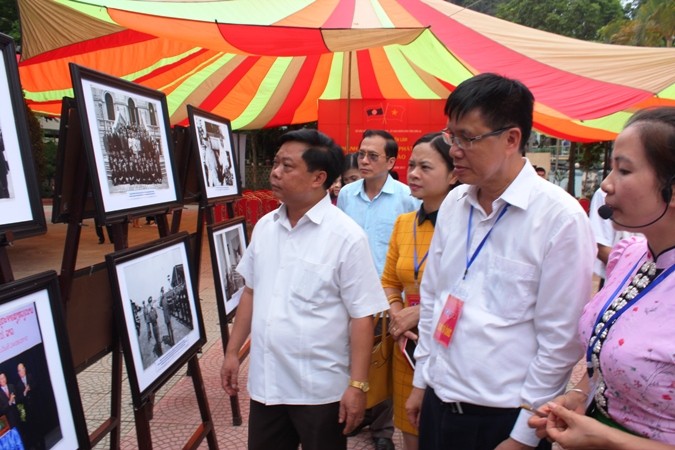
<point x="513" y="139"/>
<point x="391" y="161"/>
<point x="319" y="178"/>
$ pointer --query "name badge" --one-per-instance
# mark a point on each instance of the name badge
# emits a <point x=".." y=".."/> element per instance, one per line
<point x="448" y="320"/>
<point x="413" y="299"/>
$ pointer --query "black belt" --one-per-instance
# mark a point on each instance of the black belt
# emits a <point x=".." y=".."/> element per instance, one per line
<point x="477" y="410"/>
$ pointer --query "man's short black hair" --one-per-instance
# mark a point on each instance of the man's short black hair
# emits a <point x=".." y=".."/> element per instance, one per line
<point x="390" y="145"/>
<point x="322" y="154"/>
<point x="502" y="102"/>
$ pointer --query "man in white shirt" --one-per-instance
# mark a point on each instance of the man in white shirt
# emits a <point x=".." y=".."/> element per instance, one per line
<point x="311" y="290"/>
<point x="507" y="274"/>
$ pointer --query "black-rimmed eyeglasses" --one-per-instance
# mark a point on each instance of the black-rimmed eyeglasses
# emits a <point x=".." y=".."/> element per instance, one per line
<point x="464" y="142"/>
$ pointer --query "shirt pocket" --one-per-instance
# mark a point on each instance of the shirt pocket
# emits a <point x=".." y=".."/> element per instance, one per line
<point x="511" y="288"/>
<point x="309" y="283"/>
<point x="383" y="228"/>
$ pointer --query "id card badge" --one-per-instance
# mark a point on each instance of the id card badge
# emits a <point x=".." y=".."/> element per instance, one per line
<point x="412" y="299"/>
<point x="445" y="328"/>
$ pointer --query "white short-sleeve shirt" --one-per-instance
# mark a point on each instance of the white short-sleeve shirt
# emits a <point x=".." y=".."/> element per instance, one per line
<point x="308" y="281"/>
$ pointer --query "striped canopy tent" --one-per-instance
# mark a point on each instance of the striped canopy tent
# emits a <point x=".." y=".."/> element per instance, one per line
<point x="263" y="63"/>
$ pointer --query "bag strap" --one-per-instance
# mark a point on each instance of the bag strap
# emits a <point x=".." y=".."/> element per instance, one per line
<point x="384" y="315"/>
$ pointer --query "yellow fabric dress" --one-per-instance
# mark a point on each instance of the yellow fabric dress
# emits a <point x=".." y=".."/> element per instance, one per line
<point x="399" y="273"/>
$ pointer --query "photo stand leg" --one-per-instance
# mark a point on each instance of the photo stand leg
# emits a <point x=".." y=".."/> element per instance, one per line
<point x="112" y="425"/>
<point x="175" y="220"/>
<point x="162" y="225"/>
<point x="206" y="428"/>
<point x="142" y="418"/>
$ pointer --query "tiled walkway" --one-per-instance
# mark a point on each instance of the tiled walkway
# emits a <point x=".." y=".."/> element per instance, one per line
<point x="176" y="415"/>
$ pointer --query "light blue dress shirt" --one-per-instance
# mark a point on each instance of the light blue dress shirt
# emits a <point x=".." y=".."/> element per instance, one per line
<point x="377" y="216"/>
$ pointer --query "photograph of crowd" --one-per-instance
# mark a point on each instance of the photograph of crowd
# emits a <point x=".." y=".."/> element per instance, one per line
<point x="128" y="143"/>
<point x="131" y="141"/>
<point x="229" y="243"/>
<point x="213" y="138"/>
<point x="161" y="315"/>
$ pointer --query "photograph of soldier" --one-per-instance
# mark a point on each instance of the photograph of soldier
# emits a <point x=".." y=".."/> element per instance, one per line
<point x="234" y="253"/>
<point x="5" y="191"/>
<point x="152" y="316"/>
<point x="166" y="304"/>
<point x="137" y="316"/>
<point x="215" y="151"/>
<point x="167" y="317"/>
<point x="229" y="244"/>
<point x="131" y="141"/>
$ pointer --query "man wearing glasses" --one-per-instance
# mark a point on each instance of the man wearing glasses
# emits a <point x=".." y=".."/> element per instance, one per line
<point x="375" y="202"/>
<point x="508" y="272"/>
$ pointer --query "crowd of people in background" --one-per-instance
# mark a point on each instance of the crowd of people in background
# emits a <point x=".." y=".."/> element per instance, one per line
<point x="486" y="271"/>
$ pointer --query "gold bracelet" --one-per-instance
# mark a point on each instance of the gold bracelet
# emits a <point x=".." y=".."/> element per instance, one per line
<point x="577" y="390"/>
<point x="393" y="298"/>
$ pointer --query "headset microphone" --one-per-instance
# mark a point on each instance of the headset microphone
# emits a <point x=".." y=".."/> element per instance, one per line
<point x="606" y="212"/>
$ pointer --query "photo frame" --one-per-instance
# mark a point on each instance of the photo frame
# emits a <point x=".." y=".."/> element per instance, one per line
<point x="217" y="162"/>
<point x="21" y="212"/>
<point x="69" y="154"/>
<point x="127" y="138"/>
<point x="186" y="161"/>
<point x="36" y="364"/>
<point x="227" y="241"/>
<point x="157" y="309"/>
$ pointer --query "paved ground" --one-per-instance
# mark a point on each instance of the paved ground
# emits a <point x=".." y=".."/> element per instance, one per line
<point x="176" y="415"/>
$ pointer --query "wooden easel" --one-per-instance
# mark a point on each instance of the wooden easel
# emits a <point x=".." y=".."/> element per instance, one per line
<point x="206" y="216"/>
<point x="207" y="212"/>
<point x="109" y="340"/>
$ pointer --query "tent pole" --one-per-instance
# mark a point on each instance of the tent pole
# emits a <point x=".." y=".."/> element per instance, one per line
<point x="349" y="98"/>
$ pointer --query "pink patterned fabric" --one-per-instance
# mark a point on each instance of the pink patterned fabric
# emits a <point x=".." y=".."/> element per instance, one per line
<point x="638" y="357"/>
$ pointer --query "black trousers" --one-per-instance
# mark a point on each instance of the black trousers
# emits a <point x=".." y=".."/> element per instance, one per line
<point x="284" y="427"/>
<point x="442" y="428"/>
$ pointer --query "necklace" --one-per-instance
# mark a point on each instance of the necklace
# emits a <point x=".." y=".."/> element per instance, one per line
<point x="640" y="281"/>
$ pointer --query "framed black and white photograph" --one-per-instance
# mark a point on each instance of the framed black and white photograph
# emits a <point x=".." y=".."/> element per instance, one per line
<point x="39" y="395"/>
<point x="227" y="242"/>
<point x="212" y="137"/>
<point x="21" y="210"/>
<point x="157" y="309"/>
<point x="126" y="132"/>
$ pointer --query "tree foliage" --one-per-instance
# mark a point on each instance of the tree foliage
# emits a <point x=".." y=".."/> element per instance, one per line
<point x="483" y="6"/>
<point x="652" y="24"/>
<point x="9" y="20"/>
<point x="579" y="19"/>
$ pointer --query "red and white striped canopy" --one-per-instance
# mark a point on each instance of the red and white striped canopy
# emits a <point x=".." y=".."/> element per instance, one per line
<point x="264" y="63"/>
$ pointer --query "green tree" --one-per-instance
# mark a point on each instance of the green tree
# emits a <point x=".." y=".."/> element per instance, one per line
<point x="9" y="20"/>
<point x="483" y="6"/>
<point x="652" y="24"/>
<point x="579" y="19"/>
